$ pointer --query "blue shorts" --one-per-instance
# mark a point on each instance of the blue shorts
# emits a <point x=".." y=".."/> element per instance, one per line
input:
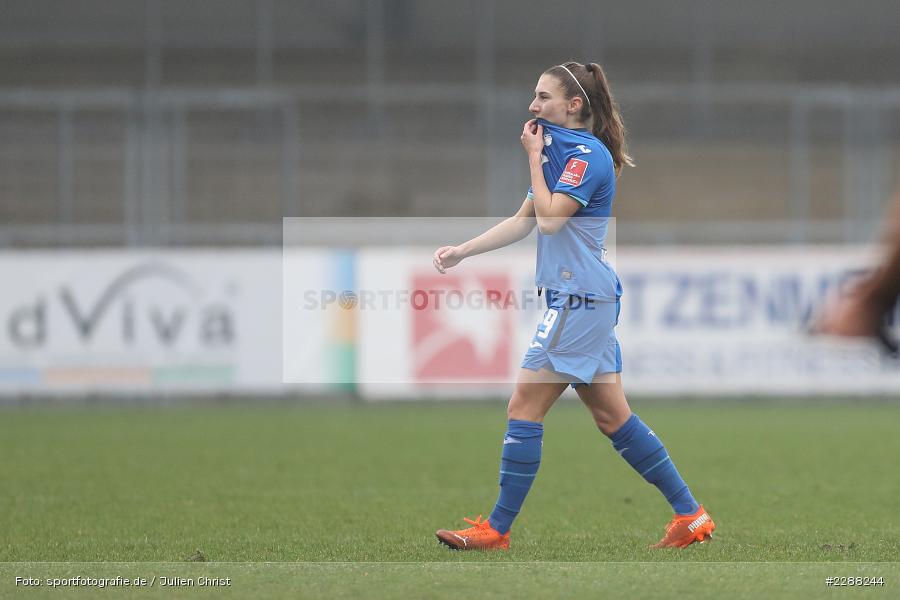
<point x="576" y="338"/>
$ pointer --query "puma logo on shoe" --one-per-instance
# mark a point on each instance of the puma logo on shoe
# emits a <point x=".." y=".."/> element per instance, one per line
<point x="698" y="522"/>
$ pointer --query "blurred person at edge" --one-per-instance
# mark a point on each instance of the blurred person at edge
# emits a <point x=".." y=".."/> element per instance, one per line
<point x="576" y="149"/>
<point x="863" y="311"/>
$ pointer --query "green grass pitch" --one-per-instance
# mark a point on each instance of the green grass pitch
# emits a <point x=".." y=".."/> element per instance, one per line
<point x="322" y="501"/>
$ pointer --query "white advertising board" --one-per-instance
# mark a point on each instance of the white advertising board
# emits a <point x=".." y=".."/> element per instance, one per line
<point x="383" y="322"/>
<point x="733" y="320"/>
<point x="461" y="333"/>
<point x="139" y="321"/>
<point x="319" y="333"/>
<point x="693" y="321"/>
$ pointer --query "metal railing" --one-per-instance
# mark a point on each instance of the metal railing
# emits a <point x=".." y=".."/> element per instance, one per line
<point x="168" y="154"/>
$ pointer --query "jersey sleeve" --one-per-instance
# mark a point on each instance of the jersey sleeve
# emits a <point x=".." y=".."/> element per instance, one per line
<point x="582" y="176"/>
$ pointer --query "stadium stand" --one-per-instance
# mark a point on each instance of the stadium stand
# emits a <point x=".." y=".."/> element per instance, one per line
<point x="142" y="114"/>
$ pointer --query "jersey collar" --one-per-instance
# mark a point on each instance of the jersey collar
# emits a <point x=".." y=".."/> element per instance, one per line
<point x="546" y="123"/>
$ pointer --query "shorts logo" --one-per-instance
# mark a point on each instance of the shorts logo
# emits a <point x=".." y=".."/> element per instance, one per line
<point x="574" y="172"/>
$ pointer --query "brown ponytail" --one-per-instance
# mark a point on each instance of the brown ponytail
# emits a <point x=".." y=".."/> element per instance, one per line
<point x="600" y="104"/>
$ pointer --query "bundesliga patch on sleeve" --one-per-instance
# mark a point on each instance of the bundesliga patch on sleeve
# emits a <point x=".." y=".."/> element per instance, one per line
<point x="574" y="172"/>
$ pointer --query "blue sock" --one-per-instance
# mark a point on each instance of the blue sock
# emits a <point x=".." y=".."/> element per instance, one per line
<point x="639" y="446"/>
<point x="518" y="467"/>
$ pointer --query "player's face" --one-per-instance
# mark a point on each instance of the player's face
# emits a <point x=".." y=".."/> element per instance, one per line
<point x="550" y="101"/>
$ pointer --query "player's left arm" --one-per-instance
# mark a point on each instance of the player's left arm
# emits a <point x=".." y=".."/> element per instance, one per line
<point x="888" y="276"/>
<point x="863" y="310"/>
<point x="551" y="210"/>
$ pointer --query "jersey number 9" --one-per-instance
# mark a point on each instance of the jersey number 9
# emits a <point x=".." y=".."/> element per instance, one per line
<point x="547" y="324"/>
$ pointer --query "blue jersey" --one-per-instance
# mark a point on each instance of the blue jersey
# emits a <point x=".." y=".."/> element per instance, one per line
<point x="572" y="260"/>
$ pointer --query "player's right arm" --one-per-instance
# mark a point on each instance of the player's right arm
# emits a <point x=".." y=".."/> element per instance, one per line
<point x="503" y="234"/>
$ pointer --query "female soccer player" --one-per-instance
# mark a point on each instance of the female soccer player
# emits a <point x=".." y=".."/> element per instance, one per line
<point x="576" y="148"/>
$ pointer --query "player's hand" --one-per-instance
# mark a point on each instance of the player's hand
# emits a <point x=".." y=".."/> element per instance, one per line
<point x="446" y="257"/>
<point x="848" y="316"/>
<point x="532" y="137"/>
<point x="855" y="316"/>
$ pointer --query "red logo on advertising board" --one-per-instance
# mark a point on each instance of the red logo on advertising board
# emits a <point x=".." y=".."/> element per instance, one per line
<point x="574" y="172"/>
<point x="458" y="334"/>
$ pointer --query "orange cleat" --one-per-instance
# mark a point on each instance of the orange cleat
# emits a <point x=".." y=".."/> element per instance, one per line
<point x="481" y="536"/>
<point x="684" y="530"/>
